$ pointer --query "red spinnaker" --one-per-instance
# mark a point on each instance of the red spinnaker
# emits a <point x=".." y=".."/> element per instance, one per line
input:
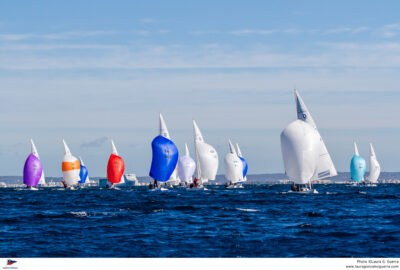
<point x="115" y="169"/>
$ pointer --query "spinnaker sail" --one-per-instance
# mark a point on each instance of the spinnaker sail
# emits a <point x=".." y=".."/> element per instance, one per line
<point x="233" y="166"/>
<point x="115" y="166"/>
<point x="300" y="147"/>
<point x="186" y="166"/>
<point x="165" y="155"/>
<point x="32" y="171"/>
<point x="83" y="174"/>
<point x="374" y="166"/>
<point x="357" y="166"/>
<point x="244" y="162"/>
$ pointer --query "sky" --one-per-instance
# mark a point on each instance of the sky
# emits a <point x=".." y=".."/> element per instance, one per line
<point x="91" y="71"/>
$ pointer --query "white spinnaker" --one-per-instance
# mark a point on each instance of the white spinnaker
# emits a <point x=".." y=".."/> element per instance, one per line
<point x="325" y="167"/>
<point x="115" y="152"/>
<point x="71" y="177"/>
<point x="233" y="166"/>
<point x="300" y="151"/>
<point x="206" y="157"/>
<point x="374" y="167"/>
<point x="34" y="151"/>
<point x="240" y="155"/>
<point x="186" y="166"/>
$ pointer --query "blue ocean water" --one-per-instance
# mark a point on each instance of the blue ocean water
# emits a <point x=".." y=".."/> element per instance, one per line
<point x="257" y="221"/>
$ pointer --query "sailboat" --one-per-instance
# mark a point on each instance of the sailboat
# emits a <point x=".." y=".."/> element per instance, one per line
<point x="374" y="167"/>
<point x="244" y="162"/>
<point x="186" y="167"/>
<point x="115" y="167"/>
<point x="83" y="173"/>
<point x="33" y="171"/>
<point x="70" y="168"/>
<point x="165" y="155"/>
<point x="325" y="167"/>
<point x="233" y="167"/>
<point x="357" y="166"/>
<point x="304" y="152"/>
<point x="206" y="158"/>
<point x="42" y="180"/>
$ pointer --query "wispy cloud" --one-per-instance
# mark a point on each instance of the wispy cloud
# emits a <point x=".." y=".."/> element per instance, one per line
<point x="99" y="142"/>
<point x="55" y="36"/>
<point x="205" y="56"/>
<point x="346" y="30"/>
<point x="252" y="32"/>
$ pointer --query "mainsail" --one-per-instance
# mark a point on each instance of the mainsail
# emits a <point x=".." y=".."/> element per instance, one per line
<point x="186" y="166"/>
<point x="357" y="166"/>
<point x="83" y="174"/>
<point x="70" y="167"/>
<point x="206" y="157"/>
<point x="233" y="166"/>
<point x="374" y="166"/>
<point x="42" y="180"/>
<point x="325" y="167"/>
<point x="300" y="147"/>
<point x="115" y="166"/>
<point x="165" y="155"/>
<point x="244" y="162"/>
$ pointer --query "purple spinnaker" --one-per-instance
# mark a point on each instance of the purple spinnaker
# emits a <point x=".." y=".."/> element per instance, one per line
<point x="32" y="171"/>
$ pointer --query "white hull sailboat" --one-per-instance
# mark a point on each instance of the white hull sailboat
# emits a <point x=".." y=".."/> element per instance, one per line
<point x="186" y="167"/>
<point x="374" y="166"/>
<point x="70" y="168"/>
<point x="233" y="167"/>
<point x="206" y="158"/>
<point x="304" y="153"/>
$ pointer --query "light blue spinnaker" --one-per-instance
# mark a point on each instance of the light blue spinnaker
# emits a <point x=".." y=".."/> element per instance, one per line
<point x="357" y="166"/>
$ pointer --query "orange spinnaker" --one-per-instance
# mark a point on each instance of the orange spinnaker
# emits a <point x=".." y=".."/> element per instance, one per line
<point x="70" y="166"/>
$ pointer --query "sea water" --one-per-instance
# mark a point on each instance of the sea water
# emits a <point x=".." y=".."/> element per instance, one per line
<point x="257" y="221"/>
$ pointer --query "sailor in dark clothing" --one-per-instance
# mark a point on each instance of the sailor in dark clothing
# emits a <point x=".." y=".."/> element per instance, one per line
<point x="293" y="187"/>
<point x="155" y="183"/>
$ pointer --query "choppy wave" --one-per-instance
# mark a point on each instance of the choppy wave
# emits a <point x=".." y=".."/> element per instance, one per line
<point x="257" y="221"/>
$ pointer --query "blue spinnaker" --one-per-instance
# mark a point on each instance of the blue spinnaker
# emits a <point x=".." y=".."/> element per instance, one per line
<point x="165" y="158"/>
<point x="357" y="168"/>
<point x="83" y="174"/>
<point x="245" y="166"/>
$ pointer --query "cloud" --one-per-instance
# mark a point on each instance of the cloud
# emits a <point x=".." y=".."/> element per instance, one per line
<point x="54" y="36"/>
<point x="252" y="32"/>
<point x="95" y="143"/>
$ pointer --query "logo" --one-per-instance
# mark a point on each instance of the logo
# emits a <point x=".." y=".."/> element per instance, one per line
<point x="10" y="262"/>
<point x="304" y="116"/>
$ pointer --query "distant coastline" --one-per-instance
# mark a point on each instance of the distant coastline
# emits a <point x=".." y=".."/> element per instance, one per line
<point x="273" y="178"/>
